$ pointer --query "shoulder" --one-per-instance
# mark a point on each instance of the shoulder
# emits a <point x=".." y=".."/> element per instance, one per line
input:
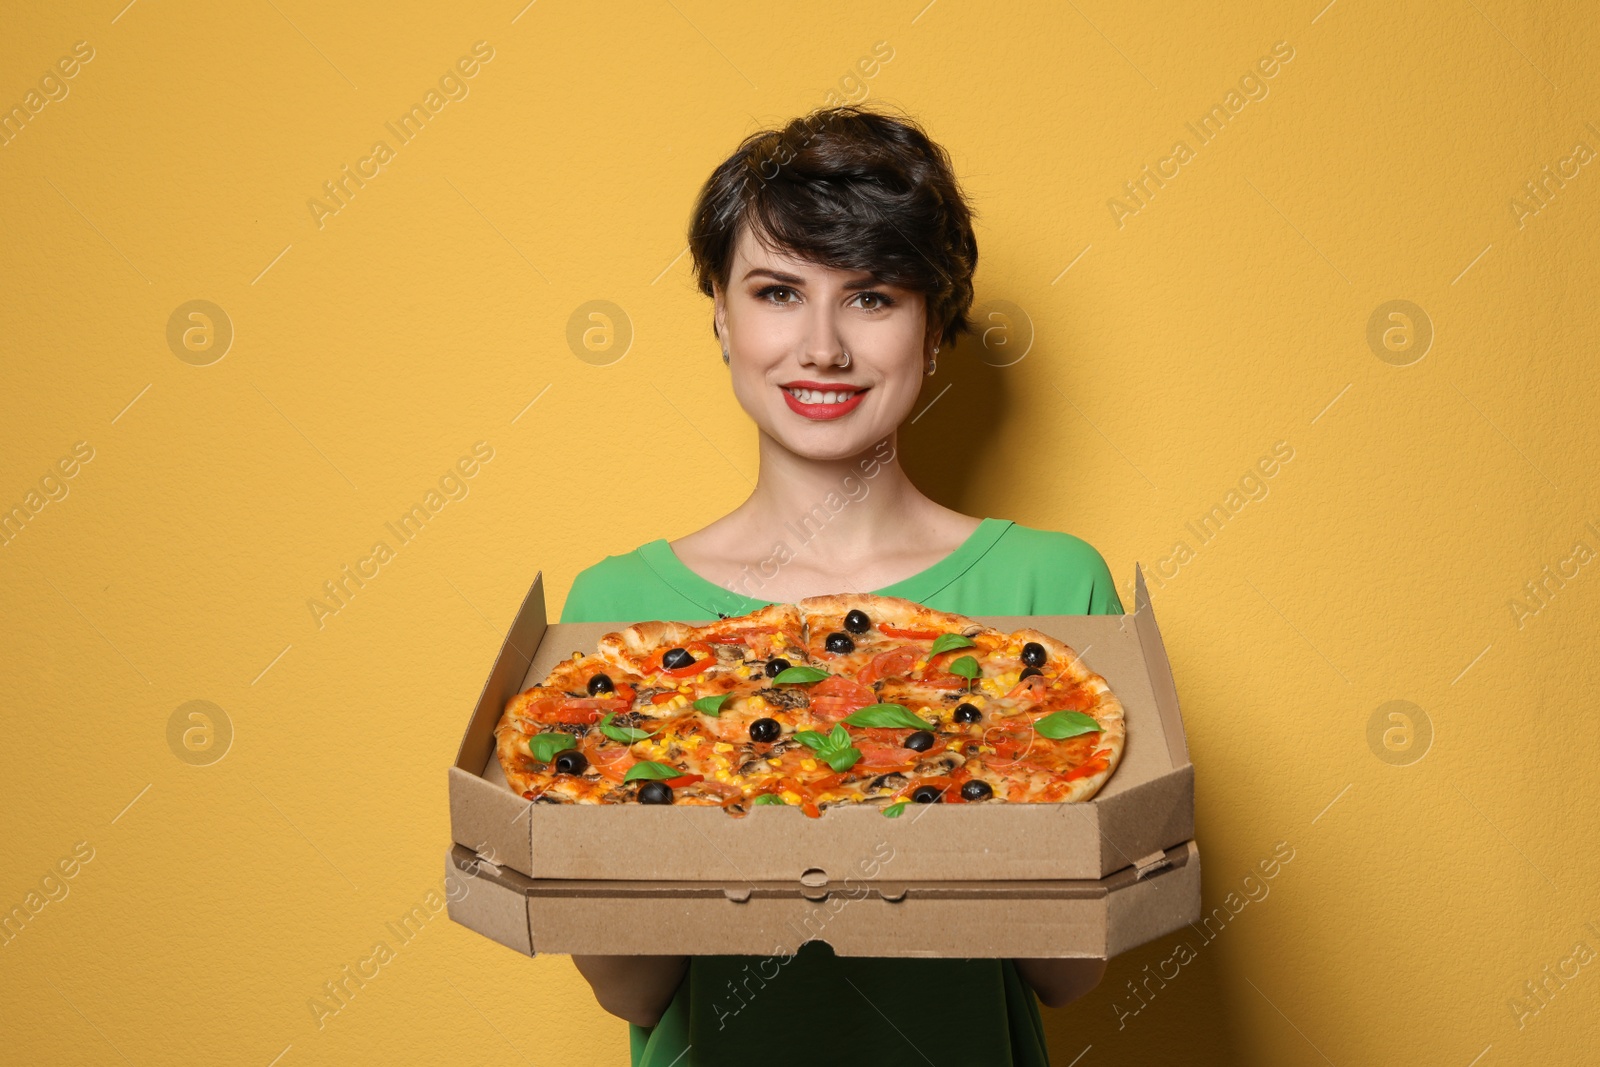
<point x="1066" y="569"/>
<point x="600" y="591"/>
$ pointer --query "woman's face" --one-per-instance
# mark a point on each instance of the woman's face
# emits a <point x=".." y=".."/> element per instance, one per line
<point x="787" y="323"/>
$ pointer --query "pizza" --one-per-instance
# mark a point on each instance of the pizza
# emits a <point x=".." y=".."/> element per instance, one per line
<point x="843" y="699"/>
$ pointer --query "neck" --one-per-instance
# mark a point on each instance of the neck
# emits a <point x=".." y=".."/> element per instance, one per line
<point x="849" y="506"/>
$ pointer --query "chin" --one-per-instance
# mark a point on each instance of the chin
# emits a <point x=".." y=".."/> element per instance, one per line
<point x="823" y="441"/>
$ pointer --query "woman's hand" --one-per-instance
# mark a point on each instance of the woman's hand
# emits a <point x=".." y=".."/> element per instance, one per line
<point x="635" y="988"/>
<point x="1059" y="982"/>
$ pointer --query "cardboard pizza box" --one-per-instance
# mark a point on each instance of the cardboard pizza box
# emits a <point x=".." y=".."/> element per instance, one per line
<point x="1034" y="919"/>
<point x="1145" y="808"/>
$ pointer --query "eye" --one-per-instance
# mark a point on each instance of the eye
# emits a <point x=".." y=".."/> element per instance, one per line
<point x="770" y="291"/>
<point x="879" y="301"/>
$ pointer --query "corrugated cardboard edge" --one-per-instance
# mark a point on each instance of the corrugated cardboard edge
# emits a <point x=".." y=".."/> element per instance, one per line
<point x="1097" y="919"/>
<point x="492" y="907"/>
<point x="497" y="815"/>
<point x="1161" y="682"/>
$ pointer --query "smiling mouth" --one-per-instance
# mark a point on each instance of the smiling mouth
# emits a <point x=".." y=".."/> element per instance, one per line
<point x="818" y="403"/>
<point x="822" y="396"/>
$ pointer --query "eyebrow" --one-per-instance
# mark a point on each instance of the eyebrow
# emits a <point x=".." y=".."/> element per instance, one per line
<point x="865" y="281"/>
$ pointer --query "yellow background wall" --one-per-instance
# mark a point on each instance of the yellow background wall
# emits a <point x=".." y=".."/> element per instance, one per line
<point x="370" y="352"/>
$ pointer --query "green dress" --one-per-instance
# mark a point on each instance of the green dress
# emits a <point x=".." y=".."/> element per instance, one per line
<point x="803" y="1010"/>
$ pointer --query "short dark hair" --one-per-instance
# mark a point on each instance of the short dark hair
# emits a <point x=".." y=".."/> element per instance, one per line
<point x="852" y="188"/>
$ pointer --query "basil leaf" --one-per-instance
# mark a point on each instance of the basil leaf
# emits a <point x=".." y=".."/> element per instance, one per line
<point x="893" y="810"/>
<point x="625" y="734"/>
<point x="1064" y="724"/>
<point x="832" y="748"/>
<point x="545" y="746"/>
<point x="770" y="798"/>
<point x="813" y="740"/>
<point x="965" y="666"/>
<point x="841" y="759"/>
<point x="650" y="769"/>
<point x="801" y="673"/>
<point x="711" y="705"/>
<point x="945" y="642"/>
<point x="886" y="715"/>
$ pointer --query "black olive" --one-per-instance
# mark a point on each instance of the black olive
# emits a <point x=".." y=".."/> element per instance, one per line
<point x="1033" y="654"/>
<point x="570" y="762"/>
<point x="600" y="683"/>
<point x="655" y="793"/>
<point x="926" y="794"/>
<point x="839" y="643"/>
<point x="673" y="658"/>
<point x="920" y="741"/>
<point x="967" y="713"/>
<point x="776" y="666"/>
<point x="857" y="622"/>
<point x="1028" y="672"/>
<point x="763" y="731"/>
<point x="974" y="789"/>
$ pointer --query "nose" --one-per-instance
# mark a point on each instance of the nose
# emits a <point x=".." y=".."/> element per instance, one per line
<point x="821" y="346"/>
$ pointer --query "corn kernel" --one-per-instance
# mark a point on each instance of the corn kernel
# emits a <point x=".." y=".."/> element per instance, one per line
<point x="695" y="742"/>
<point x="809" y="764"/>
<point x="774" y="762"/>
<point x="722" y="746"/>
<point x="721" y="776"/>
<point x="790" y="795"/>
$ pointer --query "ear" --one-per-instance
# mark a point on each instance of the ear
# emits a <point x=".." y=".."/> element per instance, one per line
<point x="931" y="340"/>
<point x="720" y="316"/>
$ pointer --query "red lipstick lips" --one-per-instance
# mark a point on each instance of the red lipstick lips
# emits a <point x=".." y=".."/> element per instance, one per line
<point x="814" y="407"/>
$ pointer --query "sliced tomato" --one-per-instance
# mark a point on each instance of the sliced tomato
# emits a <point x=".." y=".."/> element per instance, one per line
<point x="934" y="678"/>
<point x="685" y="779"/>
<point x="1007" y="746"/>
<point x="1032" y="687"/>
<point x="895" y="631"/>
<point x="1093" y="766"/>
<point x="837" y="696"/>
<point x="626" y="692"/>
<point x="612" y="761"/>
<point x="895" y="663"/>
<point x="554" y="710"/>
<point x="881" y="755"/>
<point x="662" y="698"/>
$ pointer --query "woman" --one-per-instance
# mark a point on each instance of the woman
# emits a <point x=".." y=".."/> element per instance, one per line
<point x="839" y="254"/>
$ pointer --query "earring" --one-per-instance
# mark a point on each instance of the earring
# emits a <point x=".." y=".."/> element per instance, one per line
<point x="933" y="364"/>
<point x="726" y="358"/>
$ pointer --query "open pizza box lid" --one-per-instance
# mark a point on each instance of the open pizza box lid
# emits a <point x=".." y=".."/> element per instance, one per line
<point x="1034" y="919"/>
<point x="1145" y="807"/>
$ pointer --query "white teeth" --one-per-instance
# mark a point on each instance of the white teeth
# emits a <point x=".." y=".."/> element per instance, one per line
<point x="818" y="396"/>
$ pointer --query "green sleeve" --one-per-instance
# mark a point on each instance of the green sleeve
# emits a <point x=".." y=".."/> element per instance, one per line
<point x="1064" y="574"/>
<point x="619" y="588"/>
